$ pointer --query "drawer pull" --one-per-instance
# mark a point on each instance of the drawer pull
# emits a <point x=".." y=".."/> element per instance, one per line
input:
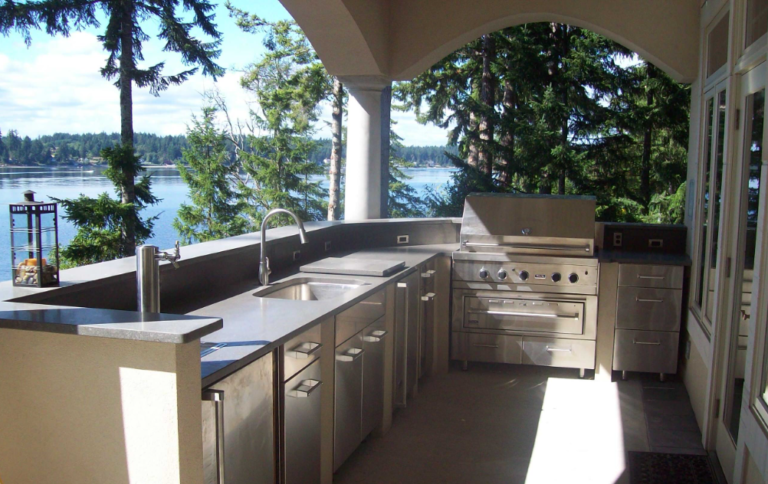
<point x="658" y="278"/>
<point x="481" y="345"/>
<point x="371" y="303"/>
<point x="528" y="315"/>
<point x="652" y="343"/>
<point x="351" y="355"/>
<point x="639" y="299"/>
<point x="304" y="350"/>
<point x="305" y="389"/>
<point x="375" y="336"/>
<point x="559" y="350"/>
<point x="430" y="296"/>
<point x="428" y="274"/>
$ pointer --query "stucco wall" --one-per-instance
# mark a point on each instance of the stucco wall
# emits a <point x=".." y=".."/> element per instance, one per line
<point x="98" y="410"/>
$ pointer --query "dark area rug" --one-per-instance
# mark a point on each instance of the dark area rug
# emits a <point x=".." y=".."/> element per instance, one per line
<point x="655" y="468"/>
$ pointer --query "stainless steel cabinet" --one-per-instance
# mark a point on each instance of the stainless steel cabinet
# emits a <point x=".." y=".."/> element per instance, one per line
<point x="238" y="426"/>
<point x="374" y="337"/>
<point x="302" y="426"/>
<point x="348" y="411"/>
<point x="406" y="337"/>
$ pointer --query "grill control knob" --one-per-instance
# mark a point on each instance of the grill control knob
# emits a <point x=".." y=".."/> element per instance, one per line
<point x="574" y="278"/>
<point x="523" y="275"/>
<point x="556" y="277"/>
<point x="483" y="273"/>
<point x="502" y="274"/>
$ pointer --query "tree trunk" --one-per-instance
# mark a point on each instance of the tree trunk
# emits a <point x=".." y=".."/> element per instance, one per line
<point x="335" y="166"/>
<point x="473" y="156"/>
<point x="128" y="192"/>
<point x="488" y="98"/>
<point x="645" y="173"/>
<point x="564" y="121"/>
<point x="508" y="138"/>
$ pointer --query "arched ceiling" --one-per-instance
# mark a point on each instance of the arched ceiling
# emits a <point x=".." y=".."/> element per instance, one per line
<point x="398" y="39"/>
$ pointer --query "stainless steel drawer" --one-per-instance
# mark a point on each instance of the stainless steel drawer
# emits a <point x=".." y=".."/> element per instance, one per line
<point x="303" y="426"/>
<point x="649" y="309"/>
<point x="640" y="275"/>
<point x="533" y="314"/>
<point x="564" y="353"/>
<point x="650" y="351"/>
<point x="487" y="347"/>
<point x="359" y="316"/>
<point x="301" y="351"/>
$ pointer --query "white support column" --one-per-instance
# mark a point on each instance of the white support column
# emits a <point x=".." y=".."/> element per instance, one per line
<point x="367" y="169"/>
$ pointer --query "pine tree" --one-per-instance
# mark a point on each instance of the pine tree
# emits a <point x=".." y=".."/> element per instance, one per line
<point x="403" y="201"/>
<point x="214" y="212"/>
<point x="123" y="39"/>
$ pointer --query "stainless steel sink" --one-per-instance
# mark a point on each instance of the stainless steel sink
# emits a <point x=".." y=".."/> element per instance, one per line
<point x="309" y="289"/>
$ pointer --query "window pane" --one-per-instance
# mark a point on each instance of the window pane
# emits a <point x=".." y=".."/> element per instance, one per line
<point x="717" y="46"/>
<point x="757" y="21"/>
<point x="705" y="203"/>
<point x="717" y="187"/>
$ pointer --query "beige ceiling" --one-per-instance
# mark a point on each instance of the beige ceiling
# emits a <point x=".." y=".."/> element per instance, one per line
<point x="398" y="39"/>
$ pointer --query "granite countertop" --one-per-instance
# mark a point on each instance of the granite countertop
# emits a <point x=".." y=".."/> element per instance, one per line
<point x="643" y="258"/>
<point x="106" y="323"/>
<point x="255" y="326"/>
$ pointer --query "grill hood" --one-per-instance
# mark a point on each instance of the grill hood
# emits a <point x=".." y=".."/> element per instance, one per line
<point x="529" y="224"/>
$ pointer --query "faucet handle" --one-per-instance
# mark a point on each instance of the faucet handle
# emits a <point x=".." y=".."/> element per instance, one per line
<point x="172" y="258"/>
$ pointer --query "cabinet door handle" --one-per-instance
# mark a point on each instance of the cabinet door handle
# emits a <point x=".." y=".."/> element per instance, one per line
<point x="217" y="397"/>
<point x="375" y="336"/>
<point x="304" y="350"/>
<point x="652" y="343"/>
<point x="559" y="350"/>
<point x="430" y="296"/>
<point x="639" y="299"/>
<point x="482" y="345"/>
<point x="350" y="355"/>
<point x="640" y="276"/>
<point x="305" y="389"/>
<point x="428" y="274"/>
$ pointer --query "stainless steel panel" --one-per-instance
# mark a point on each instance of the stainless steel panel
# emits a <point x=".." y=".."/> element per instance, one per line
<point x="539" y="275"/>
<point x="649" y="309"/>
<point x="302" y="426"/>
<point x="348" y="399"/>
<point x="301" y="351"/>
<point x="374" y="337"/>
<point x="249" y="453"/>
<point x="640" y="275"/>
<point x="359" y="316"/>
<point x="560" y="352"/>
<point x="491" y="348"/>
<point x="649" y="351"/>
<point x="527" y="315"/>
<point x="528" y="224"/>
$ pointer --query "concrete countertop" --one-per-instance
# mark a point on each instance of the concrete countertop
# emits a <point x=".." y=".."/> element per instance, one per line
<point x="106" y="323"/>
<point x="649" y="258"/>
<point x="255" y="326"/>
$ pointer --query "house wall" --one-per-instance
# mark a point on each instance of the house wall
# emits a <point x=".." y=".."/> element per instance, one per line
<point x="98" y="410"/>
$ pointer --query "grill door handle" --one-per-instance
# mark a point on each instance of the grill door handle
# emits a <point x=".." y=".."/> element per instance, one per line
<point x="650" y="343"/>
<point x="526" y="246"/>
<point x="639" y="299"/>
<point x="528" y="315"/>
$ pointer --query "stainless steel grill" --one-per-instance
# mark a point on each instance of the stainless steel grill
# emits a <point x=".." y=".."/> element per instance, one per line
<point x="525" y="281"/>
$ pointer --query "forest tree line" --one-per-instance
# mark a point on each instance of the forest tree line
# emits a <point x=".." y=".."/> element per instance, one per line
<point x="65" y="148"/>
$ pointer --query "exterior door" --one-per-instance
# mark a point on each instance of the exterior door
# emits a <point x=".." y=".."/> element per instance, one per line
<point x="742" y="226"/>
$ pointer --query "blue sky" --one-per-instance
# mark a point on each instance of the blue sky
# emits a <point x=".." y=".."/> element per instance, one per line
<point x="55" y="85"/>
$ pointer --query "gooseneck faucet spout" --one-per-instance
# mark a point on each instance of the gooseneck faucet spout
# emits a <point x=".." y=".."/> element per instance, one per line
<point x="264" y="270"/>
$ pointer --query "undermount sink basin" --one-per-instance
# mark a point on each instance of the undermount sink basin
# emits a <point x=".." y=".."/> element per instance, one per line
<point x="309" y="289"/>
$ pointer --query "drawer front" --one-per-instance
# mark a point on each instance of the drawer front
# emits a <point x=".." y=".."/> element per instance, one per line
<point x="489" y="348"/>
<point x="531" y="315"/>
<point x="359" y="316"/>
<point x="301" y="351"/>
<point x="649" y="309"/>
<point x="564" y="353"/>
<point x="640" y="275"/>
<point x="650" y="351"/>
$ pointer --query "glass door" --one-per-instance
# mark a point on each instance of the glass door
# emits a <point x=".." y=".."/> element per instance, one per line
<point x="746" y="189"/>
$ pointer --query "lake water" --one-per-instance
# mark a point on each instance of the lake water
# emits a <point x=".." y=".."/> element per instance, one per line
<point x="70" y="182"/>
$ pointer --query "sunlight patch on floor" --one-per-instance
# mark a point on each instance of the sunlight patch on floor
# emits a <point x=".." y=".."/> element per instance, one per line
<point x="579" y="437"/>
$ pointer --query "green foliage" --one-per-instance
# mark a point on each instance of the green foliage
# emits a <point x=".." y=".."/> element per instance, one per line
<point x="403" y="201"/>
<point x="214" y="212"/>
<point x="103" y="221"/>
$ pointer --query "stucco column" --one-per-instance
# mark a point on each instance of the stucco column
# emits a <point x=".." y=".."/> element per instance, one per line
<point x="367" y="169"/>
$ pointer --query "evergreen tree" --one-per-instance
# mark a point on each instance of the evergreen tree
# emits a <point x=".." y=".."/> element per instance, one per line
<point x="214" y="212"/>
<point x="403" y="201"/>
<point x="122" y="39"/>
<point x="3" y="150"/>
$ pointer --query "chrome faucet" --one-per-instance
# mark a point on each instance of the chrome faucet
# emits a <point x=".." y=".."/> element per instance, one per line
<point x="264" y="270"/>
<point x="148" y="259"/>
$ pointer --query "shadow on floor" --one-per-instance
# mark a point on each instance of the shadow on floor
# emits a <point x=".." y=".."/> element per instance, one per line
<point x="522" y="424"/>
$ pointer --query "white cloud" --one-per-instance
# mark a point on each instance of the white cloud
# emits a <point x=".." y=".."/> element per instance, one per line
<point x="55" y="86"/>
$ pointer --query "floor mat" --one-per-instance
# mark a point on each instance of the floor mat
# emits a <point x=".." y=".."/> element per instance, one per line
<point x="656" y="468"/>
